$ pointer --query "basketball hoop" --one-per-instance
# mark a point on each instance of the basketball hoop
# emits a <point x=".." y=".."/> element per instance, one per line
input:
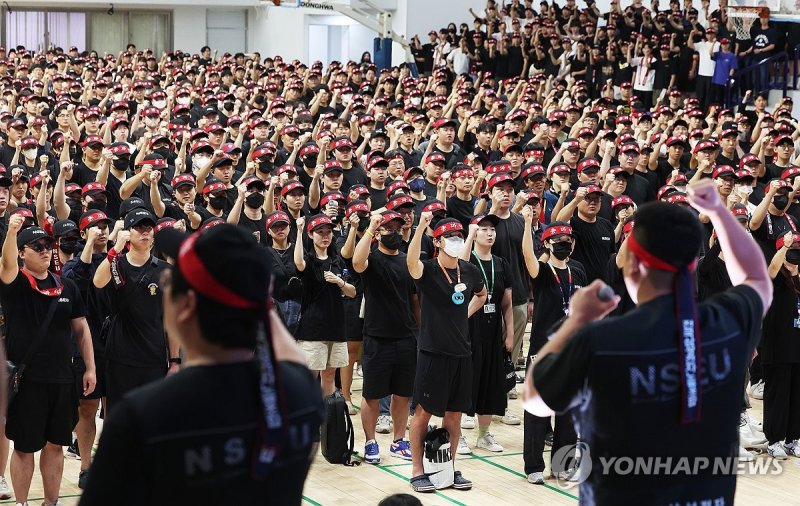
<point x="743" y="18"/>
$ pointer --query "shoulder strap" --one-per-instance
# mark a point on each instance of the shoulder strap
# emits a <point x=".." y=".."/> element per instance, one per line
<point x="43" y="328"/>
<point x="145" y="277"/>
<point x="348" y="460"/>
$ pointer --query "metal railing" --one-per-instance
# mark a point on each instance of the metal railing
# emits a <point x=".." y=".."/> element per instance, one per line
<point x="771" y="72"/>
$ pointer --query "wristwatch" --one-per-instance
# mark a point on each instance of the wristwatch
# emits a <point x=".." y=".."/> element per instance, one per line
<point x="175" y="360"/>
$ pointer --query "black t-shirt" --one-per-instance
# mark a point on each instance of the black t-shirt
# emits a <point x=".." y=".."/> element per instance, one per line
<point x="552" y="289"/>
<point x="624" y="373"/>
<point x="24" y="309"/>
<point x="462" y="210"/>
<point x="639" y="189"/>
<point x="594" y="245"/>
<point x="167" y="444"/>
<point x="712" y="275"/>
<point x="352" y="176"/>
<point x="388" y="290"/>
<point x="137" y="337"/>
<point x="283" y="269"/>
<point x="377" y="197"/>
<point x="322" y="311"/>
<point x="508" y="245"/>
<point x="444" y="328"/>
<point x="257" y="227"/>
<point x="781" y="339"/>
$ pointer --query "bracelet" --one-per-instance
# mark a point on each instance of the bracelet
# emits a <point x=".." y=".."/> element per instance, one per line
<point x="369" y="233"/>
<point x="112" y="254"/>
<point x="175" y="360"/>
<point x="343" y="284"/>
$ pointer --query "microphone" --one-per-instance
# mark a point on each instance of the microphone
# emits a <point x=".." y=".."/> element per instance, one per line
<point x="605" y="293"/>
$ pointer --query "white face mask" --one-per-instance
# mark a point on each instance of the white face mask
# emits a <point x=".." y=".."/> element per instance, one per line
<point x="347" y="98"/>
<point x="416" y="100"/>
<point x="118" y="97"/>
<point x="454" y="246"/>
<point x="744" y="190"/>
<point x="681" y="188"/>
<point x="160" y="104"/>
<point x="151" y="122"/>
<point x="182" y="100"/>
<point x="30" y="154"/>
<point x="200" y="161"/>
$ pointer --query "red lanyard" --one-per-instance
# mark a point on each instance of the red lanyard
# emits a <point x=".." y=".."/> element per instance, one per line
<point x="49" y="292"/>
<point x="791" y="223"/>
<point x="458" y="273"/>
<point x="564" y="298"/>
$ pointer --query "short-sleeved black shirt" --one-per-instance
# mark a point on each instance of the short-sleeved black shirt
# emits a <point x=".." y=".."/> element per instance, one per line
<point x="508" y="244"/>
<point x="624" y="373"/>
<point x="166" y="444"/>
<point x="445" y="328"/>
<point x="322" y="311"/>
<point x="550" y="296"/>
<point x="388" y="290"/>
<point x="594" y="245"/>
<point x="256" y="227"/>
<point x="24" y="309"/>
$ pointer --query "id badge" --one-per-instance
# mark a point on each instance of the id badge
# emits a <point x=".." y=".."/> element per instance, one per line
<point x="797" y="323"/>
<point x="488" y="308"/>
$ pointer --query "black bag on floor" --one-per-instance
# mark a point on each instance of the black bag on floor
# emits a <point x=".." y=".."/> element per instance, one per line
<point x="337" y="436"/>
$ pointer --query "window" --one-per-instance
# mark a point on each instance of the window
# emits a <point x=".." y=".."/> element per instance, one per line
<point x="39" y="30"/>
<point x="226" y="30"/>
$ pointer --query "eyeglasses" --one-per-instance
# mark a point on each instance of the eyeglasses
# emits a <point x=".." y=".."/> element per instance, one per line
<point x="40" y="246"/>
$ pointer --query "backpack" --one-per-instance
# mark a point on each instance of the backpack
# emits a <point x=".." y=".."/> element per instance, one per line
<point x="337" y="436"/>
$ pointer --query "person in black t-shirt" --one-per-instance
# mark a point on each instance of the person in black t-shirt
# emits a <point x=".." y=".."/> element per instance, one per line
<point x="770" y="220"/>
<point x="594" y="235"/>
<point x="555" y="278"/>
<point x="248" y="210"/>
<point x="39" y="306"/>
<point x="153" y="444"/>
<point x="603" y="365"/>
<point x="450" y="291"/>
<point x="390" y="348"/>
<point x="288" y="288"/>
<point x="461" y="205"/>
<point x="138" y="350"/>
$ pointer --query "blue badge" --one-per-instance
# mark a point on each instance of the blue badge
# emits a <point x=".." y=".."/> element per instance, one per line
<point x="458" y="298"/>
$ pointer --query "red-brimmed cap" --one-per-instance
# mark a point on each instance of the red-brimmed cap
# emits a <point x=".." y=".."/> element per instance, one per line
<point x="433" y="206"/>
<point x="703" y="145"/>
<point x="276" y="217"/>
<point x="292" y="185"/>
<point x="95" y="187"/>
<point x="748" y="159"/>
<point x="589" y="163"/>
<point x="554" y="230"/>
<point x="356" y="206"/>
<point x="447" y="225"/>
<point x="624" y="200"/>
<point x="499" y="178"/>
<point x="780" y="240"/>
<point x="723" y="171"/>
<point x="399" y="201"/>
<point x="183" y="180"/>
<point x="318" y="221"/>
<point x="533" y="170"/>
<point x="92" y="218"/>
<point x="435" y="158"/>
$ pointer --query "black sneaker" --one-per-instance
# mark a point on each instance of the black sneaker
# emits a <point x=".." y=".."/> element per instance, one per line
<point x="422" y="483"/>
<point x="82" y="477"/>
<point x="72" y="451"/>
<point x="461" y="483"/>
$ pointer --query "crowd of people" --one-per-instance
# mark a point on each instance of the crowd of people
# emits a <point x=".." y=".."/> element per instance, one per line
<point x="413" y="225"/>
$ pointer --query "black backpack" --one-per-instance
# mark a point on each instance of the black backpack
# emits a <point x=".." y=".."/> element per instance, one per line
<point x="337" y="436"/>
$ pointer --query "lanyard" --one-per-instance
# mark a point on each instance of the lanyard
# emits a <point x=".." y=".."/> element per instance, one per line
<point x="458" y="273"/>
<point x="49" y="292"/>
<point x="489" y="286"/>
<point x="564" y="297"/>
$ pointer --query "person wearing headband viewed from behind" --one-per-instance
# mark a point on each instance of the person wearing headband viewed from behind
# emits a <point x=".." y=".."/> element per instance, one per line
<point x="166" y="443"/>
<point x="674" y="368"/>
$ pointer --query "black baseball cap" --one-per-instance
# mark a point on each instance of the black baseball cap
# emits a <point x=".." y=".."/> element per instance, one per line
<point x="137" y="216"/>
<point x="31" y="234"/>
<point x="64" y="227"/>
<point x="130" y="204"/>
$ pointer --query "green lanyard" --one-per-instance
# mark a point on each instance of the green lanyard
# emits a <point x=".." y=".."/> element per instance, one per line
<point x="489" y="287"/>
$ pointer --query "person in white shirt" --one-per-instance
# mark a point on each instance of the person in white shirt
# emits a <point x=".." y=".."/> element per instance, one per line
<point x="441" y="50"/>
<point x="645" y="74"/>
<point x="705" y="68"/>
<point x="459" y="59"/>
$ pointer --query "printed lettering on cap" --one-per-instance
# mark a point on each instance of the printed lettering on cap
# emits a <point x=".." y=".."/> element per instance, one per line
<point x="291" y="186"/>
<point x="433" y="207"/>
<point x="183" y="178"/>
<point x="451" y="226"/>
<point x="358" y="207"/>
<point x="121" y="149"/>
<point x="169" y="223"/>
<point x="532" y="171"/>
<point x="499" y="178"/>
<point x="93" y="187"/>
<point x="779" y="242"/>
<point x="740" y="211"/>
<point x="389" y="216"/>
<point x="792" y="171"/>
<point x="723" y="170"/>
<point x="435" y="157"/>
<point x="556" y="230"/>
<point x="213" y="187"/>
<point x="331" y="196"/>
<point x="587" y="164"/>
<point x="678" y="198"/>
<point x="318" y="222"/>
<point x="342" y="143"/>
<point x="309" y="150"/>
<point x="24" y="212"/>
<point x="92" y="218"/>
<point x="620" y="201"/>
<point x="463" y="173"/>
<point x="276" y="217"/>
<point x="401" y="200"/>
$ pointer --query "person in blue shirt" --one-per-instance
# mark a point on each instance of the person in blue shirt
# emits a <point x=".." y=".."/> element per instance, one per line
<point x="727" y="63"/>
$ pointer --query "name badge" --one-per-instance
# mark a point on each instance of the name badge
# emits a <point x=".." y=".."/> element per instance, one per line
<point x="489" y="308"/>
<point x="797" y="323"/>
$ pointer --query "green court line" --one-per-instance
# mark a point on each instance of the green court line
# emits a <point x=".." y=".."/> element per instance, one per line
<point x="31" y="499"/>
<point x="394" y="473"/>
<point x="515" y="473"/>
<point x="311" y="501"/>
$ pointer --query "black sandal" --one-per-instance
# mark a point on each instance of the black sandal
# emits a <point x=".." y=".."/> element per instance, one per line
<point x="422" y="483"/>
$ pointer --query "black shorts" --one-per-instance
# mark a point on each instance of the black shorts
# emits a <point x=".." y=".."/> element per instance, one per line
<point x="443" y="383"/>
<point x="79" y="367"/>
<point x="388" y="366"/>
<point x="121" y="379"/>
<point x="42" y="413"/>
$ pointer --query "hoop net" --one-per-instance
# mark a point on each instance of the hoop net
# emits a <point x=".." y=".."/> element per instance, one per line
<point x="743" y="19"/>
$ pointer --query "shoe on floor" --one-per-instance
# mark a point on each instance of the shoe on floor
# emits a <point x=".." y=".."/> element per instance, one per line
<point x="372" y="454"/>
<point x="351" y="409"/>
<point x="463" y="447"/>
<point x="360" y="372"/>
<point x="570" y="475"/>
<point x="72" y="451"/>
<point x="5" y="491"/>
<point x="792" y="448"/>
<point x="754" y="424"/>
<point x="384" y="425"/>
<point x="83" y="476"/>
<point x="488" y="442"/>
<point x="747" y="438"/>
<point x="757" y="390"/>
<point x="512" y="394"/>
<point x="421" y="483"/>
<point x="510" y="419"/>
<point x="461" y="483"/>
<point x="401" y="449"/>
<point x="745" y="456"/>
<point x="536" y="478"/>
<point x="519" y="379"/>
<point x="776" y="451"/>
<point x="467" y="422"/>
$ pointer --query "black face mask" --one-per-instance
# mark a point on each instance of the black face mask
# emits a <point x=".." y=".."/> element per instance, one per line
<point x="392" y="241"/>
<point x="265" y="167"/>
<point x="780" y="201"/>
<point x="74" y="204"/>
<point x="228" y="106"/>
<point x="363" y="223"/>
<point x="254" y="200"/>
<point x="793" y="256"/>
<point x="164" y="152"/>
<point x="217" y="203"/>
<point x="310" y="161"/>
<point x="75" y="96"/>
<point x="99" y="205"/>
<point x="121" y="164"/>
<point x="68" y="246"/>
<point x="562" y="250"/>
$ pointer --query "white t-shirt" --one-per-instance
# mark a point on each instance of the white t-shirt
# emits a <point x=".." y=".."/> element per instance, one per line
<point x="460" y="61"/>
<point x="706" y="65"/>
<point x="645" y="74"/>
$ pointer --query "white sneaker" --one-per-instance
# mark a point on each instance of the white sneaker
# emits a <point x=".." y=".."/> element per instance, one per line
<point x="757" y="390"/>
<point x="463" y="447"/>
<point x="5" y="491"/>
<point x="467" y="422"/>
<point x="510" y="419"/>
<point x="792" y="448"/>
<point x="755" y="425"/>
<point x="384" y="425"/>
<point x="359" y="371"/>
<point x="512" y="394"/>
<point x="746" y="436"/>
<point x="536" y="478"/>
<point x="776" y="451"/>
<point x="745" y="456"/>
<point x="570" y="475"/>
<point x="488" y="442"/>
